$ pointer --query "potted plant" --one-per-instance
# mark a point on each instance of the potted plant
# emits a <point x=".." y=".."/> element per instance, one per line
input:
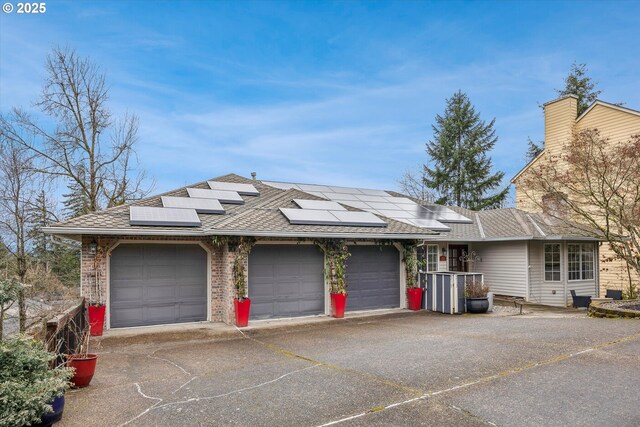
<point x="475" y="293"/>
<point x="242" y="247"/>
<point x="96" y="309"/>
<point x="411" y="263"/>
<point x="83" y="362"/>
<point x="336" y="254"/>
<point x="30" y="391"/>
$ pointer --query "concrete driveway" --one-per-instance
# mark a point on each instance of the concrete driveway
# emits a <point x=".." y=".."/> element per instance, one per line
<point x="403" y="369"/>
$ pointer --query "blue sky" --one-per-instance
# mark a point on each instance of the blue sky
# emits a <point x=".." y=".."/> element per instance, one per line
<point x="326" y="92"/>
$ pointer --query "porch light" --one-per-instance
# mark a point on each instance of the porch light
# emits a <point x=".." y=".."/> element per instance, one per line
<point x="444" y="251"/>
<point x="93" y="247"/>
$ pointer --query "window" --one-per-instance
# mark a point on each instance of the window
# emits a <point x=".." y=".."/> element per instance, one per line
<point x="581" y="261"/>
<point x="432" y="257"/>
<point x="552" y="262"/>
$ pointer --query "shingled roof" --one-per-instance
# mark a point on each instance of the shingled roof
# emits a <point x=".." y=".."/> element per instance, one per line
<point x="258" y="216"/>
<point x="509" y="224"/>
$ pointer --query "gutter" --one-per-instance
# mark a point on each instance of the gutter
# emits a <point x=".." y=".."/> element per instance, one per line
<point x="177" y="233"/>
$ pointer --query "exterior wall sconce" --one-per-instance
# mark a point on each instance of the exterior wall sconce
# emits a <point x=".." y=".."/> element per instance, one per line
<point x="93" y="247"/>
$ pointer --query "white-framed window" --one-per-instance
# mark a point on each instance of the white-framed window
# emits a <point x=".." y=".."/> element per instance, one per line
<point x="552" y="262"/>
<point x="432" y="257"/>
<point x="580" y="260"/>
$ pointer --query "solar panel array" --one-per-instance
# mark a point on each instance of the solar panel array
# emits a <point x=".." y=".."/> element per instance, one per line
<point x="319" y="205"/>
<point x="209" y="206"/>
<point x="145" y="215"/>
<point x="433" y="217"/>
<point x="183" y="211"/>
<point x="243" y="189"/>
<point x="326" y="217"/>
<point x="222" y="196"/>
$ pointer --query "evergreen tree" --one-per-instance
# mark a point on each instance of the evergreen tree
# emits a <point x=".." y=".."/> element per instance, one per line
<point x="460" y="170"/>
<point x="533" y="149"/>
<point x="579" y="84"/>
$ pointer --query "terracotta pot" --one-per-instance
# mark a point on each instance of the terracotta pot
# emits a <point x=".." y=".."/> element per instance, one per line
<point x="85" y="367"/>
<point x="414" y="298"/>
<point x="242" y="311"/>
<point x="338" y="303"/>
<point x="96" y="319"/>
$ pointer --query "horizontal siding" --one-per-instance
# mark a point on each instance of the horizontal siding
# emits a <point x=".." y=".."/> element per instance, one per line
<point x="559" y="119"/>
<point x="614" y="124"/>
<point x="541" y="292"/>
<point x="504" y="267"/>
<point x="554" y="293"/>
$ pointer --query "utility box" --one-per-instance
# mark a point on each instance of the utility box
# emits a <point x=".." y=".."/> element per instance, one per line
<point x="444" y="291"/>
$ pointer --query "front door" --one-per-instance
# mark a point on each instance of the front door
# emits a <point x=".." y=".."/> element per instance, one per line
<point x="458" y="257"/>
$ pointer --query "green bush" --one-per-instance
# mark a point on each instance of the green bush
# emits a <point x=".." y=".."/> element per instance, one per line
<point x="27" y="384"/>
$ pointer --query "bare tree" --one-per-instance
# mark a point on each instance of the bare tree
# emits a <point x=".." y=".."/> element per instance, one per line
<point x="412" y="184"/>
<point x="17" y="194"/>
<point x="597" y="183"/>
<point x="88" y="148"/>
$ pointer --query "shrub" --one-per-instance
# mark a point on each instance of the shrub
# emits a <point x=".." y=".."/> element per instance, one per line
<point x="27" y="384"/>
<point x="475" y="289"/>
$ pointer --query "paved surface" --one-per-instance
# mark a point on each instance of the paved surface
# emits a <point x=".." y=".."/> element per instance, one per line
<point x="552" y="368"/>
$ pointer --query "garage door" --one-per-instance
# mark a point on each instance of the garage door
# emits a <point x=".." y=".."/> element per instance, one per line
<point x="286" y="281"/>
<point x="154" y="284"/>
<point x="373" y="277"/>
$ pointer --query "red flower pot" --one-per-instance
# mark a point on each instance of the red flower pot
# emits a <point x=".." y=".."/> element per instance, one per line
<point x="85" y="367"/>
<point x="96" y="319"/>
<point x="414" y="297"/>
<point x="338" y="302"/>
<point x="242" y="311"/>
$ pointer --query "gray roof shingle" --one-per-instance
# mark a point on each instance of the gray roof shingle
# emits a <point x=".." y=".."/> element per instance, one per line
<point x="258" y="216"/>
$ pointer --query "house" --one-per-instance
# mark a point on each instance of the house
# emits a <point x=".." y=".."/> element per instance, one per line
<point x="508" y="246"/>
<point x="156" y="261"/>
<point x="615" y="122"/>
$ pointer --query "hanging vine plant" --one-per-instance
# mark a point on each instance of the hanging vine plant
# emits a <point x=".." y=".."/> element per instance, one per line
<point x="411" y="262"/>
<point x="336" y="252"/>
<point x="241" y="246"/>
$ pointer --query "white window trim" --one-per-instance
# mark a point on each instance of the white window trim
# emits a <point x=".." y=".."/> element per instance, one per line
<point x="437" y="258"/>
<point x="544" y="263"/>
<point x="593" y="271"/>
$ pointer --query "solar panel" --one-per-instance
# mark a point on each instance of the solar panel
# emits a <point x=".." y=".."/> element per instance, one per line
<point x="324" y="217"/>
<point x="430" y="224"/>
<point x="309" y="217"/>
<point x="359" y="219"/>
<point x="369" y="198"/>
<point x="319" y="204"/>
<point x="174" y="217"/>
<point x="447" y="215"/>
<point x="223" y="196"/>
<point x="209" y="206"/>
<point x="243" y="189"/>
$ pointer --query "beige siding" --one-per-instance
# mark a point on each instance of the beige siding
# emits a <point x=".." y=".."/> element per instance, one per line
<point x="559" y="118"/>
<point x="613" y="123"/>
<point x="504" y="265"/>
<point x="555" y="293"/>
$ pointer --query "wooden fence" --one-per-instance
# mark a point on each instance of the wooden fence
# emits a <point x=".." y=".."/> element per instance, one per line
<point x="62" y="333"/>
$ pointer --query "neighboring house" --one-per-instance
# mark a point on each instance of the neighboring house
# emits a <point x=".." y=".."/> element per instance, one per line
<point x="155" y="262"/>
<point x="560" y="121"/>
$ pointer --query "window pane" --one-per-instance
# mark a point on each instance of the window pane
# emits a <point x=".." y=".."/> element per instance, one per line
<point x="552" y="262"/>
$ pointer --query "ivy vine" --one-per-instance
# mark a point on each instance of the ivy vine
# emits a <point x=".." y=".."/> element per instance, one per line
<point x="411" y="262"/>
<point x="336" y="252"/>
<point x="241" y="246"/>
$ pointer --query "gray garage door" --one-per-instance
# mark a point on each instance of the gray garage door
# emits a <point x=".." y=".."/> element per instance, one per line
<point x="153" y="284"/>
<point x="373" y="277"/>
<point x="286" y="281"/>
